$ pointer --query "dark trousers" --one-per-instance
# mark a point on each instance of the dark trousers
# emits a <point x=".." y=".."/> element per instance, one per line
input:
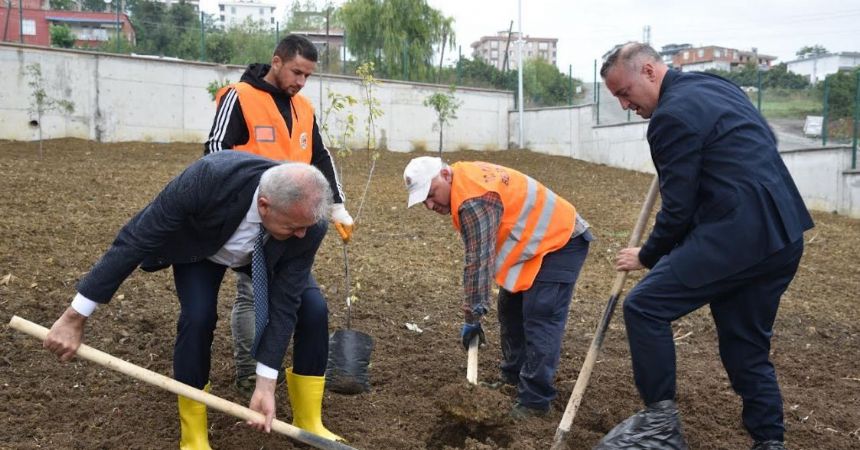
<point x="532" y="324"/>
<point x="743" y="307"/>
<point x="197" y="286"/>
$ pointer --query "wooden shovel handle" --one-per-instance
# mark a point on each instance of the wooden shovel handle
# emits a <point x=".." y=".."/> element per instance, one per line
<point x="472" y="361"/>
<point x="169" y="384"/>
<point x="597" y="342"/>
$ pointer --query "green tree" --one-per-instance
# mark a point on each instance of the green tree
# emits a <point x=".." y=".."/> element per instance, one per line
<point x="166" y="30"/>
<point x="544" y="85"/>
<point x="62" y="36"/>
<point x="813" y="50"/>
<point x="398" y="35"/>
<point x="779" y="77"/>
<point x="97" y="5"/>
<point x="310" y="15"/>
<point x="63" y="5"/>
<point x="445" y="105"/>
<point x="842" y="95"/>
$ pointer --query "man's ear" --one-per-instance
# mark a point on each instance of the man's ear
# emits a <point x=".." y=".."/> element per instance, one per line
<point x="277" y="61"/>
<point x="263" y="205"/>
<point x="649" y="72"/>
<point x="447" y="174"/>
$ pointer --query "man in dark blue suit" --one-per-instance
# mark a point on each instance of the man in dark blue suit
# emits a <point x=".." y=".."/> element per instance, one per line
<point x="729" y="234"/>
<point x="221" y="212"/>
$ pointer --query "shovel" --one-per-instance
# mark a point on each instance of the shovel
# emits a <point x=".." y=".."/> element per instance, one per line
<point x="600" y="334"/>
<point x="349" y="351"/>
<point x="169" y="384"/>
<point x="472" y="361"/>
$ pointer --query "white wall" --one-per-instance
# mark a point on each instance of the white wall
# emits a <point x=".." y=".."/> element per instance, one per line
<point x="569" y="131"/>
<point x="822" y="178"/>
<point x="123" y="98"/>
<point x="120" y="98"/>
<point x="817" y="68"/>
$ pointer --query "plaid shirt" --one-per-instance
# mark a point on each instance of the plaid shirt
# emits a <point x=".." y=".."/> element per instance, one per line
<point x="480" y="218"/>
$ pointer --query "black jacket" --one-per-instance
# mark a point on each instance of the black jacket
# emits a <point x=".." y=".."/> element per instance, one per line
<point x="190" y="220"/>
<point x="728" y="200"/>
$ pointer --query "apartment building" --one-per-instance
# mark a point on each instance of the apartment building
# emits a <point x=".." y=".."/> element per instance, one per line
<point x="493" y="49"/>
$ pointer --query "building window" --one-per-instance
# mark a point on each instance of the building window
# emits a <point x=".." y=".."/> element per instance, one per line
<point x="718" y="54"/>
<point x="542" y="45"/>
<point x="262" y="11"/>
<point x="701" y="53"/>
<point x="494" y="54"/>
<point x="494" y="44"/>
<point x="29" y="27"/>
<point x="233" y="10"/>
<point x="221" y="8"/>
<point x="686" y="55"/>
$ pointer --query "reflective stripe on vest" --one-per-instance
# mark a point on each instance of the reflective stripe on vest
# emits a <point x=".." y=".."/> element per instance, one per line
<point x="535" y="221"/>
<point x="268" y="134"/>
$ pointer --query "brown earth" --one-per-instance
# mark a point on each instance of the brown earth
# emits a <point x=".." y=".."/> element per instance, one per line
<point x="60" y="213"/>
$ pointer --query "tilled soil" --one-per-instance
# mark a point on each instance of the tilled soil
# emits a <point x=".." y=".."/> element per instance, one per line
<point x="61" y="211"/>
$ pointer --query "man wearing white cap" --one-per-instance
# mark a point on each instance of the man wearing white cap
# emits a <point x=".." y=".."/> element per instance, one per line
<point x="532" y="242"/>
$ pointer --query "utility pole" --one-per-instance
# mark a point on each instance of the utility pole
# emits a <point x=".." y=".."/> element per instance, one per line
<point x="21" y="21"/>
<point x="646" y="34"/>
<point x="520" y="72"/>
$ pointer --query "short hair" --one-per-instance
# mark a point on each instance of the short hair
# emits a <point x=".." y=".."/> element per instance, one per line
<point x="629" y="54"/>
<point x="289" y="184"/>
<point x="295" y="44"/>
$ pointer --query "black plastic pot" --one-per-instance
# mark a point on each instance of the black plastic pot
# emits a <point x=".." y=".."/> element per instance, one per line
<point x="348" y="362"/>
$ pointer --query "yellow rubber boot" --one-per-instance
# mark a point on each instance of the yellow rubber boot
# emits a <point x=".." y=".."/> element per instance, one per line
<point x="194" y="432"/>
<point x="306" y="394"/>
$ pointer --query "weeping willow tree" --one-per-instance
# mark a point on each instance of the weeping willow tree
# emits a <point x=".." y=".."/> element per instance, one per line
<point x="398" y="35"/>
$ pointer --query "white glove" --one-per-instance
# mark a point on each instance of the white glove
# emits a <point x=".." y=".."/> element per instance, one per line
<point x="342" y="221"/>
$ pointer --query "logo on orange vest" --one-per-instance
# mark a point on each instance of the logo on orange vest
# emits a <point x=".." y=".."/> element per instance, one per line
<point x="303" y="141"/>
<point x="264" y="133"/>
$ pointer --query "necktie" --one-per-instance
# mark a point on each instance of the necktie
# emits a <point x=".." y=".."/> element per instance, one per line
<point x="259" y="280"/>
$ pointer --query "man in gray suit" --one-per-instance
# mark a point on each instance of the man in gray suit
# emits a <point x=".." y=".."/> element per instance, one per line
<point x="209" y="218"/>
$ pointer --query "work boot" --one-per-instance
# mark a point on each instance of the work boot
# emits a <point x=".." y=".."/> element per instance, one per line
<point x="522" y="412"/>
<point x="768" y="445"/>
<point x="656" y="426"/>
<point x="306" y="395"/>
<point x="193" y="430"/>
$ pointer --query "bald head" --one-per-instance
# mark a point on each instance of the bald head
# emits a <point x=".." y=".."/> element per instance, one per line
<point x="634" y="74"/>
<point x="631" y="56"/>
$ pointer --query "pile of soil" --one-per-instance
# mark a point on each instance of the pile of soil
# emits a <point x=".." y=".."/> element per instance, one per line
<point x="61" y="211"/>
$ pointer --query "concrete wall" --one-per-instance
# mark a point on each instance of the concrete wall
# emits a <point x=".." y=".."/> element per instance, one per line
<point x="122" y="98"/>
<point x="820" y="173"/>
<point x="822" y="178"/>
<point x="569" y="131"/>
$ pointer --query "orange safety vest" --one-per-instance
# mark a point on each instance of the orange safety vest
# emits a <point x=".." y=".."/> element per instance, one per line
<point x="268" y="134"/>
<point x="535" y="221"/>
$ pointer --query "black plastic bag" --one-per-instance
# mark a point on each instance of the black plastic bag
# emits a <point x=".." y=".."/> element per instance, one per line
<point x="657" y="427"/>
<point x="348" y="361"/>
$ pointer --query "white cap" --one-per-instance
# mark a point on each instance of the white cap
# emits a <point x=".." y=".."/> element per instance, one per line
<point x="418" y="174"/>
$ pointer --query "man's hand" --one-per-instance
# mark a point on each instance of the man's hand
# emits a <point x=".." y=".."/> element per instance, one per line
<point x="343" y="222"/>
<point x="469" y="331"/>
<point x="263" y="401"/>
<point x="628" y="259"/>
<point x="66" y="334"/>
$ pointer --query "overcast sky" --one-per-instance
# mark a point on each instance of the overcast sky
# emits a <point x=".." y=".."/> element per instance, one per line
<point x="585" y="30"/>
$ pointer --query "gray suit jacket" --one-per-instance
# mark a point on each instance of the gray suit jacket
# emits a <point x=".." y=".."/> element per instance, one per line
<point x="190" y="220"/>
